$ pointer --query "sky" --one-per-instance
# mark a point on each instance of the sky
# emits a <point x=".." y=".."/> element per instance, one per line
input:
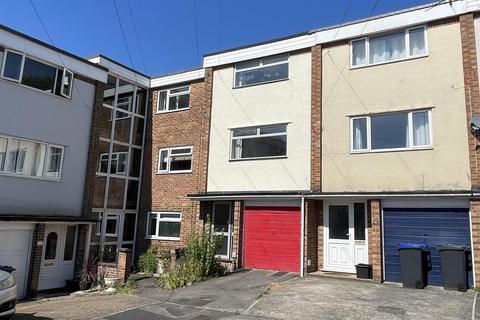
<point x="174" y="35"/>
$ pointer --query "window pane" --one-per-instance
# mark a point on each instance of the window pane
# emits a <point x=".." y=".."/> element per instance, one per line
<point x="129" y="227"/>
<point x="421" y="129"/>
<point x="338" y="222"/>
<point x="273" y="129"/>
<point x="162" y="101"/>
<point x="135" y="161"/>
<point x="51" y="246"/>
<point x="13" y="64"/>
<point x="141" y="101"/>
<point x="170" y="215"/>
<point x="386" y="48"/>
<point x="26" y="158"/>
<point x="389" y="131"/>
<point x="181" y="151"/>
<point x="275" y="59"/>
<point x="358" y="52"/>
<point x="248" y="64"/>
<point x="260" y="147"/>
<point x="153" y="225"/>
<point x="417" y="41"/>
<point x="3" y="150"/>
<point x="125" y="102"/>
<point x="67" y="83"/>
<point x="39" y="75"/>
<point x="54" y="162"/>
<point x="116" y="191"/>
<point x="122" y="127"/>
<point x="359" y="134"/>
<point x="169" y="229"/>
<point x="180" y="163"/>
<point x="221" y="217"/>
<point x="223" y="249"/>
<point x="69" y="243"/>
<point x="178" y="90"/>
<point x="109" y="253"/>
<point x="359" y="220"/>
<point x="265" y="74"/>
<point x="244" y="132"/>
<point x="132" y="194"/>
<point x="137" y="138"/>
<point x="163" y="160"/>
<point x="111" y="225"/>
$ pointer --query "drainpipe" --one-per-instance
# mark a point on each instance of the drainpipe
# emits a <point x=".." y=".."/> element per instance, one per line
<point x="471" y="246"/>
<point x="302" y="238"/>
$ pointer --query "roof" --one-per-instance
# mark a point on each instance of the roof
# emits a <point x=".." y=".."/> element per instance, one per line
<point x="122" y="70"/>
<point x="178" y="77"/>
<point x="43" y="218"/>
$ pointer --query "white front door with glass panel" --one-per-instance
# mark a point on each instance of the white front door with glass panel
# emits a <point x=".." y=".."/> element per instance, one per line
<point x="58" y="257"/>
<point x="345" y="236"/>
<point x="222" y="224"/>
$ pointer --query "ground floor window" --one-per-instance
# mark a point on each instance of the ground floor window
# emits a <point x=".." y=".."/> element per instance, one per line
<point x="164" y="225"/>
<point x="222" y="225"/>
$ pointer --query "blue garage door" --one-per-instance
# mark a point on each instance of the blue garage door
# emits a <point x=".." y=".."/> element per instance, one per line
<point x="428" y="226"/>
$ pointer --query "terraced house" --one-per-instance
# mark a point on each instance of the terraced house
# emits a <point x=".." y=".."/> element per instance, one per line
<point x="310" y="153"/>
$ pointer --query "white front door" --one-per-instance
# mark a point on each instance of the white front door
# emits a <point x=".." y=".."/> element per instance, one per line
<point x="345" y="236"/>
<point x="58" y="257"/>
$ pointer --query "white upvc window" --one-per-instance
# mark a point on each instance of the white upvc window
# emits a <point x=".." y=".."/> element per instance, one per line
<point x="164" y="225"/>
<point x="175" y="99"/>
<point x="31" y="72"/>
<point x="222" y="226"/>
<point x="261" y="142"/>
<point x="28" y="158"/>
<point x="395" y="131"/>
<point x="394" y="46"/>
<point x="111" y="225"/>
<point x="175" y="160"/>
<point x="118" y="163"/>
<point x="264" y="70"/>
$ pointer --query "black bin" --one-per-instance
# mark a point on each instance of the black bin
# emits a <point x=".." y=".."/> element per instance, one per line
<point x="364" y="271"/>
<point x="454" y="261"/>
<point x="413" y="265"/>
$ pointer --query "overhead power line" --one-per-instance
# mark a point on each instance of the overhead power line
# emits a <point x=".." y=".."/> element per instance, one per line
<point x="123" y="34"/>
<point x="137" y="37"/>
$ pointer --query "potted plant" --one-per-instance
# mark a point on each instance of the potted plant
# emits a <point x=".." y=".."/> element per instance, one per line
<point x="88" y="274"/>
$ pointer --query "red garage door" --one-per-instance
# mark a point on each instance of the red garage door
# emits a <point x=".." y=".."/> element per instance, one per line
<point x="272" y="238"/>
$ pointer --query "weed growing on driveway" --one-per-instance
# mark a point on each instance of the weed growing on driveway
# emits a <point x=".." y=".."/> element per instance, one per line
<point x="127" y="287"/>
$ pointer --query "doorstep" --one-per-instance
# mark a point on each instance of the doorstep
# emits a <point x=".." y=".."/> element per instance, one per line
<point x="338" y="275"/>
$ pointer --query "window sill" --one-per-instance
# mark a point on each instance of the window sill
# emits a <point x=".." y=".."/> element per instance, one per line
<point x="388" y="62"/>
<point x="172" y="111"/>
<point x="162" y="238"/>
<point x="35" y="89"/>
<point x="173" y="172"/>
<point x="260" y="83"/>
<point x="392" y="150"/>
<point x="256" y="159"/>
<point x="12" y="175"/>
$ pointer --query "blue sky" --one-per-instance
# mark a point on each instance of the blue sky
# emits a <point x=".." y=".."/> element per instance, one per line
<point x="167" y="28"/>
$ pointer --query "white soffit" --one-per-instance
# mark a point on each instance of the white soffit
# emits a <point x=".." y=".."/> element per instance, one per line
<point x="121" y="71"/>
<point x="36" y="50"/>
<point x="177" y="78"/>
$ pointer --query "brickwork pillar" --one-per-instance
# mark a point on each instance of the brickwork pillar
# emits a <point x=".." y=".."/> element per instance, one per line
<point x="316" y="120"/>
<point x="237" y="233"/>
<point x="124" y="263"/>
<point x="35" y="260"/>
<point x="475" y="217"/>
<point x="375" y="238"/>
<point x="312" y="215"/>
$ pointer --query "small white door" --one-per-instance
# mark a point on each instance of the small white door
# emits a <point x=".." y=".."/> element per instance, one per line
<point x="58" y="256"/>
<point x="345" y="236"/>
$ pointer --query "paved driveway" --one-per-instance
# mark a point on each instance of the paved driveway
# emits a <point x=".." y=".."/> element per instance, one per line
<point x="264" y="295"/>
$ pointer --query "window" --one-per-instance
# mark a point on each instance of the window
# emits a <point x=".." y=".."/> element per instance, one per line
<point x="69" y="243"/>
<point x="118" y="163"/>
<point x="164" y="225"/>
<point x="173" y="99"/>
<point x="391" y="131"/>
<point x="175" y="160"/>
<point x="98" y="225"/>
<point x="30" y="72"/>
<point x="111" y="225"/>
<point x="222" y="227"/>
<point x="3" y="152"/>
<point x="259" y="142"/>
<point x="54" y="162"/>
<point x="51" y="246"/>
<point x="390" y="47"/>
<point x="263" y="70"/>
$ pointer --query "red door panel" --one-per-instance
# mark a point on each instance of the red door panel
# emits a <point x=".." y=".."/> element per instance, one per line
<point x="272" y="238"/>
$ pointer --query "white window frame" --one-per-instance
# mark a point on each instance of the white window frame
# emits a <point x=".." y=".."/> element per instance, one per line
<point x="228" y="233"/>
<point x="158" y="221"/>
<point x="110" y="216"/>
<point x="261" y="66"/>
<point x="169" y="157"/>
<point x="99" y="224"/>
<point x="45" y="159"/>
<point x="19" y="81"/>
<point x="408" y="56"/>
<point x="169" y="94"/>
<point x="258" y="135"/>
<point x="117" y="154"/>
<point x="410" y="132"/>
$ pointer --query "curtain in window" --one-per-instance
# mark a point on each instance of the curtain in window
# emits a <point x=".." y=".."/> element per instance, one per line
<point x="358" y="52"/>
<point x="360" y="134"/>
<point x="421" y="129"/>
<point x="417" y="41"/>
<point x="237" y="149"/>
<point x="387" y="48"/>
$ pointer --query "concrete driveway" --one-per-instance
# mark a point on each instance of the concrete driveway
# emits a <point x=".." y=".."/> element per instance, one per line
<point x="258" y="294"/>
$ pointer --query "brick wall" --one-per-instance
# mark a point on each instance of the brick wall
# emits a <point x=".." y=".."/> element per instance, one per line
<point x="237" y="245"/>
<point x="313" y="209"/>
<point x="168" y="192"/>
<point x="472" y="95"/>
<point x="316" y="120"/>
<point x="374" y="219"/>
<point x="475" y="216"/>
<point x="35" y="260"/>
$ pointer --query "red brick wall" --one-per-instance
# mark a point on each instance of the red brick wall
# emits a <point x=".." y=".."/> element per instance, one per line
<point x="374" y="212"/>
<point x="316" y="121"/>
<point x="168" y="192"/>
<point x="475" y="217"/>
<point x="35" y="260"/>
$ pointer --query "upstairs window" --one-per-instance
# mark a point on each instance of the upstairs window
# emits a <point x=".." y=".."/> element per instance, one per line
<point x="175" y="160"/>
<point x="173" y="99"/>
<point x="118" y="164"/>
<point x="400" y="45"/>
<point x="263" y="70"/>
<point x="391" y="131"/>
<point x="35" y="74"/>
<point x="259" y="142"/>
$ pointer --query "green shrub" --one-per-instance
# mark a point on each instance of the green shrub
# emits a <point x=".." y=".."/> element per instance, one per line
<point x="197" y="263"/>
<point x="127" y="287"/>
<point x="148" y="262"/>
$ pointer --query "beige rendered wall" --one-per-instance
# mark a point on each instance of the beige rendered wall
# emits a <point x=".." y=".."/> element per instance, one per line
<point x="279" y="102"/>
<point x="435" y="81"/>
